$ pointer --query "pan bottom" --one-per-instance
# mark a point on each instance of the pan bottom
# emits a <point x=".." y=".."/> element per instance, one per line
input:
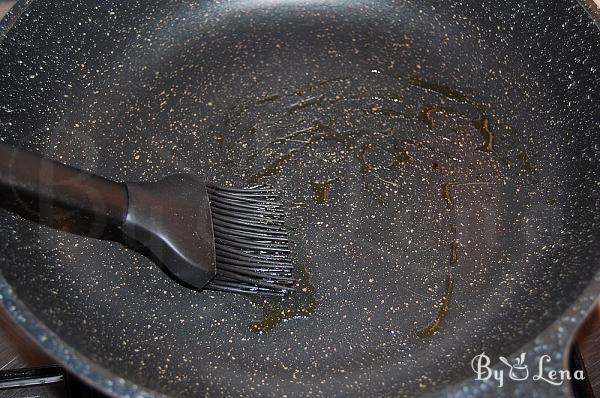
<point x="426" y="221"/>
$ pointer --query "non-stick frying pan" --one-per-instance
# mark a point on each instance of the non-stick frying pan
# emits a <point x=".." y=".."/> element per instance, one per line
<point x="438" y="159"/>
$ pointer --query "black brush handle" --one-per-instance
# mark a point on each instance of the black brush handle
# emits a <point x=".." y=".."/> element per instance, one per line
<point x="56" y="183"/>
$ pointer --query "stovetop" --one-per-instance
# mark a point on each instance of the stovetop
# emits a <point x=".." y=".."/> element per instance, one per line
<point x="27" y="372"/>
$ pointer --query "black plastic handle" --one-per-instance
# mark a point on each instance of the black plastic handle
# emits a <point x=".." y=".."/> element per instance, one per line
<point x="56" y="183"/>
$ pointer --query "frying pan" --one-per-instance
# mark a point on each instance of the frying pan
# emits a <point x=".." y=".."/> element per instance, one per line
<point x="438" y="160"/>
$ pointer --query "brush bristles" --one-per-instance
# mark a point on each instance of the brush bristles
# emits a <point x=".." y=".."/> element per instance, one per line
<point x="251" y="242"/>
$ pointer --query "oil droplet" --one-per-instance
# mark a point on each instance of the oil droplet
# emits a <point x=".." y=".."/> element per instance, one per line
<point x="444" y="304"/>
<point x="483" y="124"/>
<point x="311" y="101"/>
<point x="441" y="89"/>
<point x="299" y="303"/>
<point x="428" y="112"/>
<point x="454" y="253"/>
<point x="447" y="195"/>
<point x="321" y="190"/>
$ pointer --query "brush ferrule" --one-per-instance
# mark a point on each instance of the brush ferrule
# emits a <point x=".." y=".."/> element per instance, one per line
<point x="172" y="219"/>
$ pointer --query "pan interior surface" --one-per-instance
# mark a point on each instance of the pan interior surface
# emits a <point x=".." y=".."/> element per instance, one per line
<point x="437" y="160"/>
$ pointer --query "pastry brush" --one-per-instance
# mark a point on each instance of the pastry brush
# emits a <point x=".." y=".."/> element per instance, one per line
<point x="207" y="237"/>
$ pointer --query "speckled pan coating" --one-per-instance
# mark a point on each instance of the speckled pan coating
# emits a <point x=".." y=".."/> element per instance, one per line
<point x="437" y="159"/>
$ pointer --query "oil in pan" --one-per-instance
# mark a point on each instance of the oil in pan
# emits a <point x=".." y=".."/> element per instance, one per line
<point x="380" y="136"/>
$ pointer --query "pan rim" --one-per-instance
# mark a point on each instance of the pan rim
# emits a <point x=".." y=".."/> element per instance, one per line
<point x="555" y="338"/>
<point x="94" y="374"/>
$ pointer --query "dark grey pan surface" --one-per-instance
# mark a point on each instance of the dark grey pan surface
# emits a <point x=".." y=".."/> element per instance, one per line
<point x="438" y="160"/>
